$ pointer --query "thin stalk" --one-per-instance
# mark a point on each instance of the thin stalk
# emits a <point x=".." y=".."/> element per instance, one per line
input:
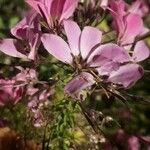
<point x="91" y="121"/>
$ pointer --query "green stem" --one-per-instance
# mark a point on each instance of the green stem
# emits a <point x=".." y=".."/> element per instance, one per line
<point x="91" y="121"/>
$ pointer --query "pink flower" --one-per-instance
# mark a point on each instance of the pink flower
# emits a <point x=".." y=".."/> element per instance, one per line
<point x="133" y="143"/>
<point x="79" y="82"/>
<point x="84" y="52"/>
<point x="11" y="90"/>
<point x="139" y="7"/>
<point x="26" y="75"/>
<point x="128" y="74"/>
<point x="37" y="100"/>
<point x="54" y="10"/>
<point x="28" y="34"/>
<point x="127" y="20"/>
<point x="9" y="94"/>
<point x="37" y="96"/>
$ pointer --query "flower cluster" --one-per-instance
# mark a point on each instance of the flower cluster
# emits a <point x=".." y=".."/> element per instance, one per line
<point x="71" y="56"/>
<point x="51" y="23"/>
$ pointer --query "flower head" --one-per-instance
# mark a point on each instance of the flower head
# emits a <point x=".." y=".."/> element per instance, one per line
<point x="9" y="93"/>
<point x="28" y="33"/>
<point x="84" y="52"/>
<point x="53" y="11"/>
<point x="127" y="20"/>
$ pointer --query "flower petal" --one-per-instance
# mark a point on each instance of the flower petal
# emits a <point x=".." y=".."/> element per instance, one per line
<point x="90" y="37"/>
<point x="57" y="8"/>
<point x="108" y="53"/>
<point x="134" y="26"/>
<point x="34" y="43"/>
<point x="57" y="47"/>
<point x="11" y="47"/>
<point x="43" y="8"/>
<point x="38" y="4"/>
<point x="29" y="21"/>
<point x="68" y="9"/>
<point x="126" y="75"/>
<point x="117" y="9"/>
<point x="141" y="52"/>
<point x="108" y="68"/>
<point x="73" y="34"/>
<point x="139" y="7"/>
<point x="78" y="83"/>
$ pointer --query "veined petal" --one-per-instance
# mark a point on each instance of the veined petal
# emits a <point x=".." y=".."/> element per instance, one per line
<point x="126" y="75"/>
<point x="43" y="8"/>
<point x="139" y="7"/>
<point x="117" y="9"/>
<point x="108" y="53"/>
<point x="38" y="4"/>
<point x="34" y="42"/>
<point x="108" y="68"/>
<point x="141" y="51"/>
<point x="57" y="8"/>
<point x="29" y="21"/>
<point x="19" y="31"/>
<point x="57" y="47"/>
<point x="134" y="8"/>
<point x="68" y="9"/>
<point x="73" y="33"/>
<point x="11" y="47"/>
<point x="78" y="83"/>
<point x="48" y="4"/>
<point x="134" y="26"/>
<point x="118" y="6"/>
<point x="90" y="37"/>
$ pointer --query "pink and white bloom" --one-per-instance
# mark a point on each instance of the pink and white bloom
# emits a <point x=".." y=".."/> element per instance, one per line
<point x="54" y="10"/>
<point x="28" y="33"/>
<point x="84" y="52"/>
